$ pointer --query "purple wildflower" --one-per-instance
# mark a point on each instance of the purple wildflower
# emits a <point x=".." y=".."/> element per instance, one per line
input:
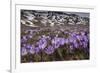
<point x="23" y="51"/>
<point x="66" y="41"/>
<point x="28" y="46"/>
<point x="31" y="50"/>
<point x="62" y="41"/>
<point x="42" y="43"/>
<point x="72" y="39"/>
<point x="85" y="38"/>
<point x="36" y="49"/>
<point x="30" y="36"/>
<point x="73" y="34"/>
<point x="23" y="39"/>
<point x="79" y="37"/>
<point x="56" y="45"/>
<point x="76" y="45"/>
<point x="55" y="40"/>
<point x="84" y="44"/>
<point x="49" y="50"/>
<point x="82" y="33"/>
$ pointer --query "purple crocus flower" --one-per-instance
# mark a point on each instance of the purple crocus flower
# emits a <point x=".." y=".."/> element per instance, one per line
<point x="66" y="41"/>
<point x="29" y="36"/>
<point x="28" y="46"/>
<point x="56" y="45"/>
<point x="23" y="51"/>
<point x="42" y="43"/>
<point x="55" y="40"/>
<point x="84" y="44"/>
<point x="72" y="39"/>
<point x="75" y="44"/>
<point x="62" y="41"/>
<point x="73" y="34"/>
<point x="36" y="49"/>
<point x="80" y="43"/>
<point x="83" y="33"/>
<point x="49" y="50"/>
<point x="85" y="38"/>
<point x="31" y="50"/>
<point x="23" y="39"/>
<point x="79" y="37"/>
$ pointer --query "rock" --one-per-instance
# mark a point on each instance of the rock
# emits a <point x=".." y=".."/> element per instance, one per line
<point x="51" y="18"/>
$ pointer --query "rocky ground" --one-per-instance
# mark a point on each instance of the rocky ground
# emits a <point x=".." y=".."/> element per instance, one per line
<point x="51" y="18"/>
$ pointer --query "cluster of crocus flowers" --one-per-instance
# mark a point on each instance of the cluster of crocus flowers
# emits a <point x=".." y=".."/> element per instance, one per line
<point x="48" y="43"/>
